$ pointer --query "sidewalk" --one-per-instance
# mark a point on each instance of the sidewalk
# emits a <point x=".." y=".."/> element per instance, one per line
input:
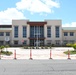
<point x="56" y="53"/>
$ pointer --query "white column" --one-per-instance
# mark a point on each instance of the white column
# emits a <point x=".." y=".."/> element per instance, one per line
<point x="28" y="34"/>
<point x="45" y="34"/>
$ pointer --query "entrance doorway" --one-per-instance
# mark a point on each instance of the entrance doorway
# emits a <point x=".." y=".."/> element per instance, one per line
<point x="37" y="42"/>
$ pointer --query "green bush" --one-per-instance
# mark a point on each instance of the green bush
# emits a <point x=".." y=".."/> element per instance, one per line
<point x="25" y="47"/>
<point x="69" y="45"/>
<point x="74" y="46"/>
<point x="1" y="47"/>
<point x="32" y="47"/>
<point x="41" y="47"/>
<point x="6" y="52"/>
<point x="71" y="52"/>
<point x="46" y="47"/>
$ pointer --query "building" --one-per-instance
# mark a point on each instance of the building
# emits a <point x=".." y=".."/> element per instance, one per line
<point x="25" y="32"/>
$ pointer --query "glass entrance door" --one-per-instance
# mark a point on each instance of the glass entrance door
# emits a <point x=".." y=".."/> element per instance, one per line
<point x="36" y="43"/>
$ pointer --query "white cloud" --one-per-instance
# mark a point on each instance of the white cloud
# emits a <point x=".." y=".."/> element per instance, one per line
<point x="37" y="6"/>
<point x="73" y="24"/>
<point x="6" y="16"/>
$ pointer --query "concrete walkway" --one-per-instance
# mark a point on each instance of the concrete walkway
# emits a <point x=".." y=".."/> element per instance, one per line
<point x="57" y="53"/>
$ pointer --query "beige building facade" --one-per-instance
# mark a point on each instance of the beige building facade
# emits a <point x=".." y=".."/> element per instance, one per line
<point x="36" y="33"/>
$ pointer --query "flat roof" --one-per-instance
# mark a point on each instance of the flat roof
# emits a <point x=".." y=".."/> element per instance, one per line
<point x="5" y="26"/>
<point x="69" y="28"/>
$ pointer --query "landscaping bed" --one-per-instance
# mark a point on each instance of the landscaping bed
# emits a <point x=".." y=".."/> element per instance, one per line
<point x="6" y="53"/>
<point x="71" y="52"/>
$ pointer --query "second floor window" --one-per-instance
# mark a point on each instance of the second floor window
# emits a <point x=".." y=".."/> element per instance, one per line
<point x="48" y="31"/>
<point x="57" y="35"/>
<point x="1" y="33"/>
<point x="65" y="33"/>
<point x="24" y="31"/>
<point x="7" y="33"/>
<point x="71" y="33"/>
<point x="16" y="31"/>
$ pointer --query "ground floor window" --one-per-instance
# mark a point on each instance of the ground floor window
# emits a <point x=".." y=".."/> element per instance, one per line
<point x="71" y="41"/>
<point x="57" y="42"/>
<point x="36" y="42"/>
<point x="1" y="42"/>
<point x="24" y="42"/>
<point x="65" y="42"/>
<point x="16" y="42"/>
<point x="49" y="42"/>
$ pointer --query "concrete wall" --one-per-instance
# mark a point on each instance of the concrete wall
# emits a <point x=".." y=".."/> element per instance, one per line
<point x="69" y="37"/>
<point x="53" y="23"/>
<point x="2" y="38"/>
<point x="20" y="24"/>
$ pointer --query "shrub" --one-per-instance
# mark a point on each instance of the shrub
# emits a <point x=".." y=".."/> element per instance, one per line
<point x="69" y="45"/>
<point x="1" y="47"/>
<point x="6" y="52"/>
<point x="25" y="47"/>
<point x="32" y="47"/>
<point x="74" y="46"/>
<point x="42" y="47"/>
<point x="46" y="47"/>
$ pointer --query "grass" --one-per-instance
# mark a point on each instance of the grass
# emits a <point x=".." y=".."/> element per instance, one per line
<point x="71" y="52"/>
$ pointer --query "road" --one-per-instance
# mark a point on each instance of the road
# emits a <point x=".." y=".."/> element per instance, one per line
<point x="37" y="67"/>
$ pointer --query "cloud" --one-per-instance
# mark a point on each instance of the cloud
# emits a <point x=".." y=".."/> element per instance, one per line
<point x="37" y="6"/>
<point x="73" y="24"/>
<point x="6" y="16"/>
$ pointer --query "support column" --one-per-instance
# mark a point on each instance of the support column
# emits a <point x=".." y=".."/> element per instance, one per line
<point x="45" y="34"/>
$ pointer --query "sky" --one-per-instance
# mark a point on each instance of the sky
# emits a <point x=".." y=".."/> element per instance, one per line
<point x="38" y="10"/>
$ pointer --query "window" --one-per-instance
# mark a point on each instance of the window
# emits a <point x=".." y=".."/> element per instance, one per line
<point x="65" y="33"/>
<point x="7" y="33"/>
<point x="57" y="31"/>
<point x="16" y="31"/>
<point x="36" y="31"/>
<point x="16" y="42"/>
<point x="49" y="42"/>
<point x="24" y="31"/>
<point x="24" y="43"/>
<point x="72" y="41"/>
<point x="71" y="33"/>
<point x="1" y="42"/>
<point x="65" y="42"/>
<point x="57" y="42"/>
<point x="1" y="33"/>
<point x="48" y="31"/>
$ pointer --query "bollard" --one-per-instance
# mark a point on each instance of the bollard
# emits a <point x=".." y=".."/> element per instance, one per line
<point x="31" y="54"/>
<point x="50" y="54"/>
<point x="15" y="54"/>
<point x="69" y="54"/>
